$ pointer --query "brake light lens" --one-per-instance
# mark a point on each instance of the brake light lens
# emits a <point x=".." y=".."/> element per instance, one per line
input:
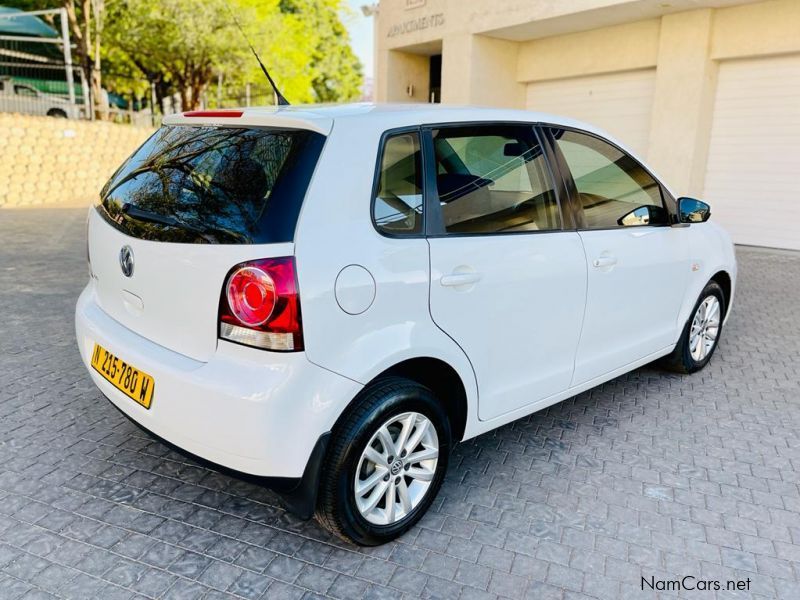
<point x="214" y="113"/>
<point x="260" y="305"/>
<point x="251" y="296"/>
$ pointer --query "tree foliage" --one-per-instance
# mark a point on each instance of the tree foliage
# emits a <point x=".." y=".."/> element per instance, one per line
<point x="184" y="46"/>
<point x="337" y="72"/>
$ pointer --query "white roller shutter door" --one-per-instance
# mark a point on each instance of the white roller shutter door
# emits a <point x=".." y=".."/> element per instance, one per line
<point x="754" y="155"/>
<point x="620" y="103"/>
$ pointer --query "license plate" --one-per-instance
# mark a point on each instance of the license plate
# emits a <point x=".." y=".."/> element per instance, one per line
<point x="132" y="382"/>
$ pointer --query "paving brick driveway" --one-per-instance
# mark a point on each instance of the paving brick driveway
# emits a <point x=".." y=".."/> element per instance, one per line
<point x="651" y="475"/>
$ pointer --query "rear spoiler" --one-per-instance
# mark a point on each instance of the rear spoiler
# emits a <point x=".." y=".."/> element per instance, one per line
<point x="291" y="118"/>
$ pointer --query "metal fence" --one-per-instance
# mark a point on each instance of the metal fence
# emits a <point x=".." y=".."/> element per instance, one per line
<point x="38" y="77"/>
<point x="36" y="71"/>
<point x="234" y="96"/>
<point x="225" y="96"/>
<point x="40" y="89"/>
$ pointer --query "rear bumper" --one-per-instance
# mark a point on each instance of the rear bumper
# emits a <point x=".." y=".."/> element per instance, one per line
<point x="256" y="412"/>
<point x="299" y="494"/>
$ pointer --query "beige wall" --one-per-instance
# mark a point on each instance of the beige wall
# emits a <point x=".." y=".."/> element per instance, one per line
<point x="758" y="29"/>
<point x="625" y="47"/>
<point x="409" y="82"/>
<point x="45" y="160"/>
<point x="684" y="97"/>
<point x="493" y="49"/>
<point x="480" y="70"/>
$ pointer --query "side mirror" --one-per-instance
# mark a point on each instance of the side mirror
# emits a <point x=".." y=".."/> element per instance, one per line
<point x="691" y="210"/>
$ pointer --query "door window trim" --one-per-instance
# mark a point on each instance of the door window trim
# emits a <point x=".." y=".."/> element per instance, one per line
<point x="376" y="181"/>
<point x="571" y="188"/>
<point x="435" y="224"/>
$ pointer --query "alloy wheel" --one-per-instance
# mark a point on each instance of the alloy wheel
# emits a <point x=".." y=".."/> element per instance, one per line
<point x="396" y="468"/>
<point x="705" y="328"/>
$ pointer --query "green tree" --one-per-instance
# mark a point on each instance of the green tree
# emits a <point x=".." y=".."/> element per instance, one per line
<point x="183" y="46"/>
<point x="337" y="72"/>
<point x="175" y="44"/>
<point x="284" y="44"/>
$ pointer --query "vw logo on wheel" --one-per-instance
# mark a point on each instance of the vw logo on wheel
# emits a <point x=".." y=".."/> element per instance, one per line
<point x="126" y="261"/>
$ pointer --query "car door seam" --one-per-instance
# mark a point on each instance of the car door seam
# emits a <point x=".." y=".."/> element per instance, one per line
<point x="585" y="308"/>
<point x="433" y="320"/>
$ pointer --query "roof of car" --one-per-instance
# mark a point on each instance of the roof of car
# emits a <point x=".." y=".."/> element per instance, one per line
<point x="383" y="116"/>
<point x="320" y="117"/>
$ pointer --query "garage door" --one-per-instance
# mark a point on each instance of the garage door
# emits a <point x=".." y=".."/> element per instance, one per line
<point x="754" y="155"/>
<point x="620" y="103"/>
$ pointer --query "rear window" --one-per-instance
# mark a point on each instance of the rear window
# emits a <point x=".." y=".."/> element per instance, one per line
<point x="214" y="185"/>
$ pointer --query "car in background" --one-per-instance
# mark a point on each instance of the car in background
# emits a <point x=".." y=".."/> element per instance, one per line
<point x="25" y="99"/>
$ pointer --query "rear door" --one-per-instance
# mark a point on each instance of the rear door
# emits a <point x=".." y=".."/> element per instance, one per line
<point x="508" y="280"/>
<point x="637" y="264"/>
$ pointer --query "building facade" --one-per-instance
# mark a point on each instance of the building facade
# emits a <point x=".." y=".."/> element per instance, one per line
<point x="707" y="91"/>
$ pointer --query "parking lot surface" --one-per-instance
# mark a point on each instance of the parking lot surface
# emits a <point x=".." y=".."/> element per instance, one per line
<point x="653" y="475"/>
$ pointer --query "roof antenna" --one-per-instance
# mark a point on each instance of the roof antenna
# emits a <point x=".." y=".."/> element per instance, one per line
<point x="281" y="100"/>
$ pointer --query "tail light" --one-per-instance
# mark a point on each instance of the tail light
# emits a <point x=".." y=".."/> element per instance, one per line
<point x="260" y="305"/>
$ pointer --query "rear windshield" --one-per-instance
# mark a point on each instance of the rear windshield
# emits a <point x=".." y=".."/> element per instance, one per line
<point x="213" y="185"/>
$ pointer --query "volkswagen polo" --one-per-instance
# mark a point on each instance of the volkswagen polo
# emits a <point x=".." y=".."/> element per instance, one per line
<point x="329" y="298"/>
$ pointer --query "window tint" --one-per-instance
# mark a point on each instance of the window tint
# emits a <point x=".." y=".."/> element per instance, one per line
<point x="493" y="179"/>
<point x="614" y="189"/>
<point x="398" y="202"/>
<point x="213" y="185"/>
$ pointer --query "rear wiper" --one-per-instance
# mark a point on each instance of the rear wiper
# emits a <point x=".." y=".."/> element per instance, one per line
<point x="151" y="217"/>
<point x="148" y="216"/>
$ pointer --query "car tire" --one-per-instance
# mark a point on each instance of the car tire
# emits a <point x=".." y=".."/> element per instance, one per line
<point x="57" y="112"/>
<point x="405" y="487"/>
<point x="688" y="355"/>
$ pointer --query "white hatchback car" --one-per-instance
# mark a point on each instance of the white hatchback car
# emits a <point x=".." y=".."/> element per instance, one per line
<point x="331" y="297"/>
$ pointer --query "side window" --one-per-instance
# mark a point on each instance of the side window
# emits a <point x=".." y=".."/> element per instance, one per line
<point x="492" y="179"/>
<point x="398" y="201"/>
<point x="613" y="188"/>
<point x="24" y="90"/>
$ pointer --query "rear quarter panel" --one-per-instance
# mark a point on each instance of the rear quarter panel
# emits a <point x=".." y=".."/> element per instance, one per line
<point x="335" y="231"/>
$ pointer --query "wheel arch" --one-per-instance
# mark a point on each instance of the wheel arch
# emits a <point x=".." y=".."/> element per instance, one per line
<point x="443" y="380"/>
<point x="723" y="279"/>
<point x="723" y="273"/>
<point x="437" y="375"/>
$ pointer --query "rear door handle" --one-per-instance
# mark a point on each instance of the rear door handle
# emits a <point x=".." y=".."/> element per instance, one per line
<point x="604" y="261"/>
<point x="455" y="279"/>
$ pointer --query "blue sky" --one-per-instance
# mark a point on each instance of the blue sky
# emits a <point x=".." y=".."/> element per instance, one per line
<point x="360" y="28"/>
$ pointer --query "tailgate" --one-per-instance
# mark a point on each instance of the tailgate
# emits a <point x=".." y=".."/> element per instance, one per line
<point x="172" y="296"/>
<point x="188" y="206"/>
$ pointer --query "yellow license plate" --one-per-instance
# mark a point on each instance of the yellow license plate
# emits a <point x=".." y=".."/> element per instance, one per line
<point x="132" y="382"/>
